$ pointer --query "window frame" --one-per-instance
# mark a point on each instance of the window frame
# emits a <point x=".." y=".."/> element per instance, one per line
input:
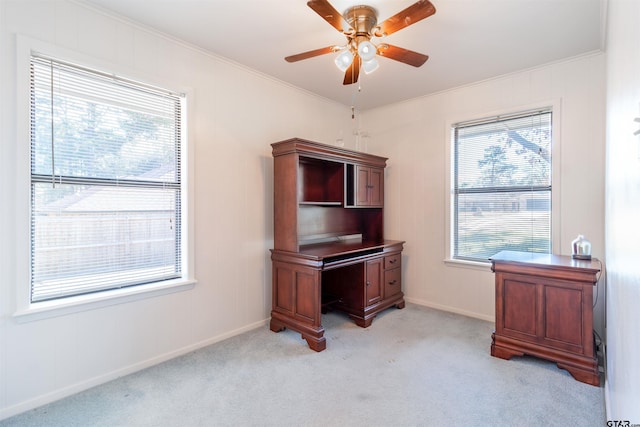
<point x="25" y="310"/>
<point x="555" y="107"/>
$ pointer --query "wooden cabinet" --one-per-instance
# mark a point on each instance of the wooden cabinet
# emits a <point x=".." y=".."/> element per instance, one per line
<point x="364" y="186"/>
<point x="369" y="186"/>
<point x="329" y="246"/>
<point x="544" y="308"/>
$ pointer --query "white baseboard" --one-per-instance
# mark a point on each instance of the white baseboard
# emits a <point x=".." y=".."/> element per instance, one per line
<point x="450" y="309"/>
<point x="110" y="376"/>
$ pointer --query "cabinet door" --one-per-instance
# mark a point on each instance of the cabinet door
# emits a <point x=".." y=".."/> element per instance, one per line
<point x="517" y="308"/>
<point x="376" y="187"/>
<point x="362" y="186"/>
<point x="369" y="186"/>
<point x="373" y="281"/>
<point x="568" y="316"/>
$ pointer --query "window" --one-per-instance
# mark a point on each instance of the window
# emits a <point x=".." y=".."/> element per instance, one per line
<point x="106" y="187"/>
<point x="502" y="185"/>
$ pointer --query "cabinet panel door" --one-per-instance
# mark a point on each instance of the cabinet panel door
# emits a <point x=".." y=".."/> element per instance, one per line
<point x="564" y="318"/>
<point x="369" y="186"/>
<point x="376" y="187"/>
<point x="373" y="282"/>
<point x="520" y="308"/>
<point x="362" y="186"/>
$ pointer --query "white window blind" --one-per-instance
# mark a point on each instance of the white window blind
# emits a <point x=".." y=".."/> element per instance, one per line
<point x="502" y="185"/>
<point x="105" y="181"/>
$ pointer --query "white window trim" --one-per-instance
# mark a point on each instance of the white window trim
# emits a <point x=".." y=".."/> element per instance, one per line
<point x="25" y="310"/>
<point x="556" y="142"/>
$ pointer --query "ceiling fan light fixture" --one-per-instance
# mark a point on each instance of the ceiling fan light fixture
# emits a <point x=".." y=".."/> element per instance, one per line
<point x="344" y="60"/>
<point x="370" y="66"/>
<point x="359" y="24"/>
<point x="366" y="50"/>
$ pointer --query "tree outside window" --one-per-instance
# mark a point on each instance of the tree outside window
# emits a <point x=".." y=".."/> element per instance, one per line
<point x="502" y="186"/>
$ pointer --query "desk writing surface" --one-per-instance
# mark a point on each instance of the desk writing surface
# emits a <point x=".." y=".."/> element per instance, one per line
<point x="340" y="248"/>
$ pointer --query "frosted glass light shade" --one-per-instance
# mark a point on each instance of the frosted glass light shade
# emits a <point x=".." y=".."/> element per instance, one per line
<point x="366" y="50"/>
<point x="344" y="60"/>
<point x="370" y="66"/>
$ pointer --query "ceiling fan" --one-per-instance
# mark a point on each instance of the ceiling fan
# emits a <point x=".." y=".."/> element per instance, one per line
<point x="360" y="24"/>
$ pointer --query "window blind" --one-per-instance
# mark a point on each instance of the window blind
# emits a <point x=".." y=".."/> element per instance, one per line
<point x="502" y="185"/>
<point x="105" y="181"/>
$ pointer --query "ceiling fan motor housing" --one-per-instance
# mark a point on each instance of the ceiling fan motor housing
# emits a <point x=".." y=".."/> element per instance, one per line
<point x="362" y="19"/>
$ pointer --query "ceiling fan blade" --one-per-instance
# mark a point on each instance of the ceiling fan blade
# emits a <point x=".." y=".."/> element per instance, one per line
<point x="414" y="13"/>
<point x="310" y="54"/>
<point x="329" y="14"/>
<point x="403" y="55"/>
<point x="351" y="75"/>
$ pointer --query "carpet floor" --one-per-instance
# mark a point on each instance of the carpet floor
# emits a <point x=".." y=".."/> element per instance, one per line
<point x="411" y="367"/>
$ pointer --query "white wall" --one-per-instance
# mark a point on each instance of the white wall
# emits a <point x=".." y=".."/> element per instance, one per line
<point x="415" y="135"/>
<point x="235" y="114"/>
<point x="623" y="211"/>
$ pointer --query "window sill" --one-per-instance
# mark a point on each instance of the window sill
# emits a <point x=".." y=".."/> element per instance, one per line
<point x="475" y="265"/>
<point x="64" y="306"/>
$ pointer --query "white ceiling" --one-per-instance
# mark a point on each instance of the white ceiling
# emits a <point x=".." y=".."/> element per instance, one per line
<point x="466" y="40"/>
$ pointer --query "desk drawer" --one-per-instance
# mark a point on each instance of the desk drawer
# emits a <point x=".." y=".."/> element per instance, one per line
<point x="392" y="282"/>
<point x="392" y="261"/>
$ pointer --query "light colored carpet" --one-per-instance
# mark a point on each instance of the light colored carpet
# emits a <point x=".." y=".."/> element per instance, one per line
<point x="412" y="367"/>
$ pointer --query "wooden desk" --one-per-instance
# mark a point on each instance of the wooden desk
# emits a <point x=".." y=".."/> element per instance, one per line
<point x="329" y="248"/>
<point x="359" y="278"/>
<point x="544" y="308"/>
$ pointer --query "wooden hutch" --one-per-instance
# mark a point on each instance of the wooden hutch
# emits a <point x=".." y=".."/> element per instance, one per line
<point x="329" y="247"/>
